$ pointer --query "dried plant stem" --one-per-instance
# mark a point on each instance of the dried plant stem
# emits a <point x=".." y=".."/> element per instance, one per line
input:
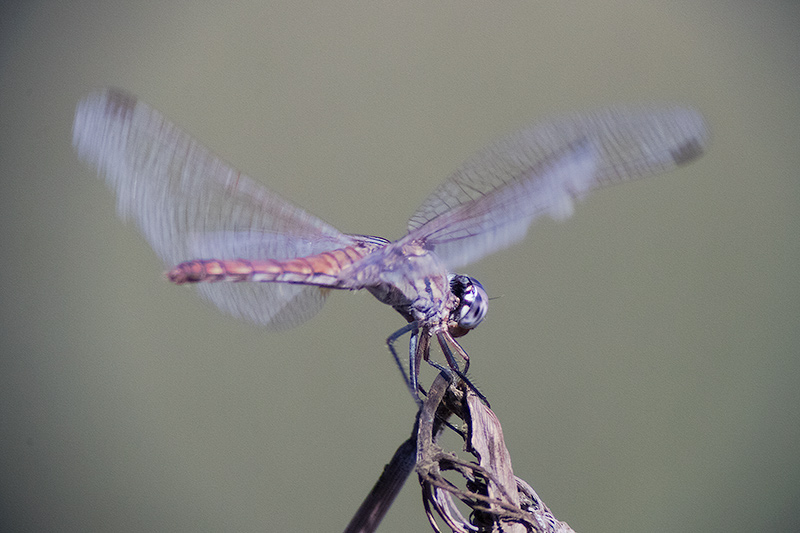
<point x="497" y="500"/>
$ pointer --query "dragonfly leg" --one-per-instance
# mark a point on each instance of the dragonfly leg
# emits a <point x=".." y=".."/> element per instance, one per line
<point x="446" y="370"/>
<point x="447" y="342"/>
<point x="413" y="365"/>
<point x="461" y="352"/>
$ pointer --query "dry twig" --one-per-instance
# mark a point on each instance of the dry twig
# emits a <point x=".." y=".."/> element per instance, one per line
<point x="498" y="500"/>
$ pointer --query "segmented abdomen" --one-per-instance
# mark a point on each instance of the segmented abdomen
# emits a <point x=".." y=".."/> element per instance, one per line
<point x="320" y="269"/>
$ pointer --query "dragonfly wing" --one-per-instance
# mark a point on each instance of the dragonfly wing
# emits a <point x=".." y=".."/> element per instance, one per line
<point x="489" y="203"/>
<point x="276" y="306"/>
<point x="189" y="204"/>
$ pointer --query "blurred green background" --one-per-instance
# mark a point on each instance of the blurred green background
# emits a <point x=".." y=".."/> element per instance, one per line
<point x="643" y="356"/>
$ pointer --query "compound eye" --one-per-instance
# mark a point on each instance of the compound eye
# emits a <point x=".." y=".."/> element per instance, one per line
<point x="474" y="302"/>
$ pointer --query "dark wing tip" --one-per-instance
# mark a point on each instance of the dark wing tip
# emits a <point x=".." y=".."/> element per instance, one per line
<point x="110" y="103"/>
<point x="695" y="139"/>
<point x="688" y="151"/>
<point x="118" y="102"/>
<point x="95" y="113"/>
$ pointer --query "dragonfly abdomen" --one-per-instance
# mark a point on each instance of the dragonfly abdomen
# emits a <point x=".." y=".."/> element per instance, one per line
<point x="320" y="269"/>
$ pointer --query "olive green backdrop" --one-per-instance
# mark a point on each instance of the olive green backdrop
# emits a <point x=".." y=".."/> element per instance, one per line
<point x="643" y="356"/>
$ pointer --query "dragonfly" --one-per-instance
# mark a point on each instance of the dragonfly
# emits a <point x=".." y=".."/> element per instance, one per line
<point x="259" y="257"/>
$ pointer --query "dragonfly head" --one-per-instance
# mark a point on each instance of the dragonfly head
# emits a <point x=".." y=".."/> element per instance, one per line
<point x="473" y="303"/>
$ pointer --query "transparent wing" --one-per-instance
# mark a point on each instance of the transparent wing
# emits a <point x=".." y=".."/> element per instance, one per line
<point x="189" y="204"/>
<point x="489" y="203"/>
